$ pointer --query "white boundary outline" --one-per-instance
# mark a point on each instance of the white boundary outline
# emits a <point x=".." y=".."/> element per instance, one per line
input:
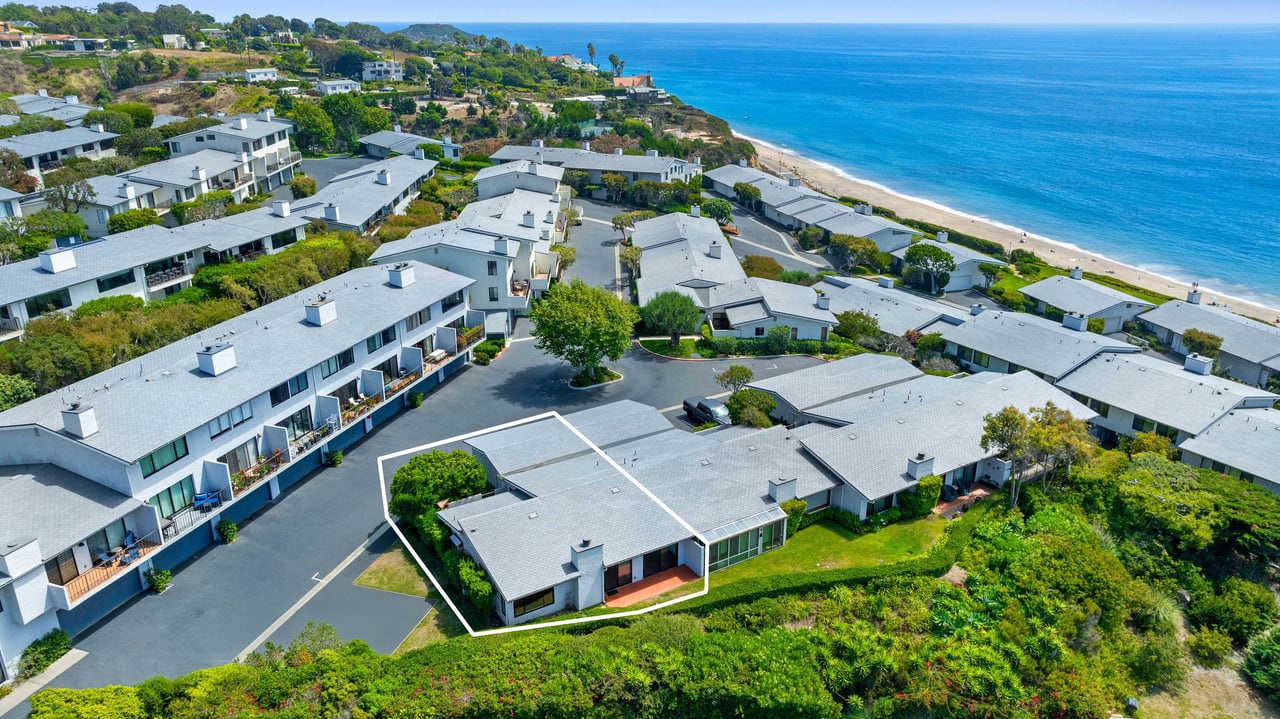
<point x="386" y="513"/>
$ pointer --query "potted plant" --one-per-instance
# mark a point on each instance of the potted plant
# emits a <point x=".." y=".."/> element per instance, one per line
<point x="158" y="580"/>
<point x="335" y="459"/>
<point x="228" y="530"/>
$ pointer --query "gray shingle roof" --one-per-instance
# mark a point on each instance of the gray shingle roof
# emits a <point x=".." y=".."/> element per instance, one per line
<point x="40" y="143"/>
<point x="54" y="506"/>
<point x="888" y="400"/>
<point x="357" y="193"/>
<point x="1029" y="341"/>
<point x="470" y="507"/>
<point x="536" y="443"/>
<point x="227" y="232"/>
<point x="832" y="381"/>
<point x="959" y="253"/>
<point x="582" y="468"/>
<point x="872" y="455"/>
<point x="1161" y="391"/>
<point x="520" y="166"/>
<point x="700" y="232"/>
<point x="149" y="401"/>
<point x="784" y="298"/>
<point x="526" y="547"/>
<point x="579" y="159"/>
<point x="1083" y="296"/>
<point x="1245" y="338"/>
<point x="255" y="128"/>
<point x="162" y="119"/>
<point x="99" y="258"/>
<point x="896" y="311"/>
<point x="402" y="142"/>
<point x="177" y="171"/>
<point x="742" y="314"/>
<point x="1246" y="439"/>
<point x="676" y="256"/>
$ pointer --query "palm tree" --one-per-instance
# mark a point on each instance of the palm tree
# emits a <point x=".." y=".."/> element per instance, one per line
<point x="591" y="52"/>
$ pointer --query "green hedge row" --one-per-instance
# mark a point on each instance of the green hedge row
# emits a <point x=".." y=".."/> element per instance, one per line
<point x="800" y="583"/>
<point x="995" y="249"/>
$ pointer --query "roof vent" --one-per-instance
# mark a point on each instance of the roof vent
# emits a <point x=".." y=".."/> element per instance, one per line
<point x="614" y="490"/>
<point x="322" y="311"/>
<point x="79" y="420"/>
<point x="586" y="542"/>
<point x="1077" y="273"/>
<point x="973" y="309"/>
<point x="704" y="462"/>
<point x="533" y="515"/>
<point x="59" y="259"/>
<point x="216" y="359"/>
<point x="751" y="448"/>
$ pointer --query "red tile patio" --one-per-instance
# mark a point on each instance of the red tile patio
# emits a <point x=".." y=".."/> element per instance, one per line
<point x="650" y="587"/>
<point x="948" y="510"/>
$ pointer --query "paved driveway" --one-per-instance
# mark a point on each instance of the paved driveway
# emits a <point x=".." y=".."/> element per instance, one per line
<point x="596" y="243"/>
<point x="323" y="170"/>
<point x="222" y="601"/>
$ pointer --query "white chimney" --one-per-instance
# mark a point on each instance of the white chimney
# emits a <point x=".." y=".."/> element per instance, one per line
<point x="586" y="145"/>
<point x="551" y="217"/>
<point x="714" y="250"/>
<point x="266" y="114"/>
<point x="98" y="127"/>
<point x="213" y="360"/>
<point x="1194" y="296"/>
<point x="42" y="92"/>
<point x="396" y="128"/>
<point x="824" y="302"/>
<point x="975" y="310"/>
<point x="697" y="159"/>
<point x="280" y="208"/>
<point x="244" y="158"/>
<point x="1075" y="321"/>
<point x="944" y="236"/>
<point x="546" y="233"/>
<point x="793" y="181"/>
<point x="528" y="218"/>
<point x="650" y="153"/>
<point x="617" y="150"/>
<point x="322" y="311"/>
<point x="695" y="210"/>
<point x="539" y="143"/>
<point x="920" y="466"/>
<point x="71" y="99"/>
<point x="500" y="245"/>
<point x="400" y="275"/>
<point x="126" y="191"/>
<point x="886" y="282"/>
<point x="59" y="259"/>
<point x="384" y="177"/>
<point x="331" y="212"/>
<point x="447" y="140"/>
<point x="419" y="154"/>
<point x="1077" y="273"/>
<point x="242" y="123"/>
<point x="742" y="162"/>
<point x="1198" y="364"/>
<point x="782" y="490"/>
<point x="79" y="421"/>
<point x="198" y="173"/>
<point x="863" y="209"/>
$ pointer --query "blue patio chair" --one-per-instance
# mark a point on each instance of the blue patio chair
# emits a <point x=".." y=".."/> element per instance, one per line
<point x="130" y="540"/>
<point x="130" y="556"/>
<point x="103" y="556"/>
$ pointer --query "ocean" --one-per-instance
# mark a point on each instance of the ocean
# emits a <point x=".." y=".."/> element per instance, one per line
<point x="1158" y="147"/>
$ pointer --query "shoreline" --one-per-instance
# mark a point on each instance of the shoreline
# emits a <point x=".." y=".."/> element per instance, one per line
<point x="830" y="180"/>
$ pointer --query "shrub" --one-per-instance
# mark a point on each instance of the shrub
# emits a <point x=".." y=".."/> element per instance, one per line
<point x="433" y="531"/>
<point x="335" y="459"/>
<point x="415" y="399"/>
<point x="432" y="477"/>
<point x="1201" y="342"/>
<point x="810" y="238"/>
<point x="116" y="702"/>
<point x="132" y="220"/>
<point x="1157" y="661"/>
<point x="474" y="582"/>
<point x="795" y="509"/>
<point x="1097" y="325"/>
<point x="918" y="502"/>
<point x="778" y="340"/>
<point x="1144" y="442"/>
<point x="42" y="652"/>
<point x="159" y="580"/>
<point x="883" y="519"/>
<point x="742" y="401"/>
<point x="1239" y="608"/>
<point x="302" y="186"/>
<point x="228" y="530"/>
<point x="1209" y="647"/>
<point x="1262" y="663"/>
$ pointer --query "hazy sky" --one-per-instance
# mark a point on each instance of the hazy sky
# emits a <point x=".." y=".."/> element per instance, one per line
<point x="814" y="11"/>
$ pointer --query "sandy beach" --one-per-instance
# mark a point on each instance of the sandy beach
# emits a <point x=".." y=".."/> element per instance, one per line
<point x="1057" y="254"/>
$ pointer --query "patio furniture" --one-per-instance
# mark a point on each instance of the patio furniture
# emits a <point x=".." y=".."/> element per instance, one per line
<point x="130" y="540"/>
<point x="948" y="492"/>
<point x="103" y="556"/>
<point x="130" y="556"/>
<point x="207" y="501"/>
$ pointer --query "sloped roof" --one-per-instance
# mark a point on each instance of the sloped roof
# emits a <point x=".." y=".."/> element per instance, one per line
<point x="1246" y="439"/>
<point x="56" y="507"/>
<point x="1083" y="296"/>
<point x="831" y="381"/>
<point x="1245" y="338"/>
<point x="896" y="311"/>
<point x="1028" y="341"/>
<point x="959" y="253"/>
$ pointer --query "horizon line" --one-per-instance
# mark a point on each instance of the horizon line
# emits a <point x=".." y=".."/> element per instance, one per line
<point x="1265" y="24"/>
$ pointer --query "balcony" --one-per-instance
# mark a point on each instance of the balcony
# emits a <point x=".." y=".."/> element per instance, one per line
<point x="468" y="336"/>
<point x="186" y="518"/>
<point x="247" y="479"/>
<point x="122" y="560"/>
<point x="165" y="277"/>
<point x="232" y="184"/>
<point x="306" y="441"/>
<point x="400" y="383"/>
<point x="519" y="288"/>
<point x="360" y="407"/>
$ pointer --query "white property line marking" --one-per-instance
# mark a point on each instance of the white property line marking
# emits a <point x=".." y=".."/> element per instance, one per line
<point x="298" y="605"/>
<point x="316" y="577"/>
<point x="382" y="487"/>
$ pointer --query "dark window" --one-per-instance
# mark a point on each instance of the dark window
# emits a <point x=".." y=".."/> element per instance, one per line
<point x="493" y="294"/>
<point x="285" y="390"/>
<point x="227" y="420"/>
<point x="176" y="498"/>
<point x="242" y="457"/>
<point x="493" y="268"/>
<point x="56" y="300"/>
<point x="390" y="369"/>
<point x="534" y="602"/>
<point x="345" y="358"/>
<point x="376" y="342"/>
<point x="163" y="457"/>
<point x="759" y="332"/>
<point x="283" y="239"/>
<point x="417" y="319"/>
<point x="1142" y="424"/>
<point x="297" y="424"/>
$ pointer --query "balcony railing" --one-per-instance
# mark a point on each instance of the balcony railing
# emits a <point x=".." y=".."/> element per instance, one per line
<point x="519" y="288"/>
<point x="399" y="383"/>
<point x="123" y="561"/>
<point x="241" y="481"/>
<point x="164" y="276"/>
<point x="306" y="441"/>
<point x="468" y="336"/>
<point x="185" y="518"/>
<point x="360" y="408"/>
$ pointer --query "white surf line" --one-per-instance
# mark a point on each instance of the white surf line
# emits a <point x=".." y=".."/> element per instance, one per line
<point x="382" y="488"/>
<point x="298" y="605"/>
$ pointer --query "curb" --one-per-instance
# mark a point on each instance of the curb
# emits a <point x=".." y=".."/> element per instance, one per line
<point x="716" y="359"/>
<point x="569" y="382"/>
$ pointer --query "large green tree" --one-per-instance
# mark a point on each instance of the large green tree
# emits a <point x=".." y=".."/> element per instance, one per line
<point x="718" y="209"/>
<point x="315" y="131"/>
<point x="672" y="313"/>
<point x="1202" y="343"/>
<point x="434" y="477"/>
<point x="853" y="250"/>
<point x="926" y="261"/>
<point x="1008" y="434"/>
<point x="583" y="325"/>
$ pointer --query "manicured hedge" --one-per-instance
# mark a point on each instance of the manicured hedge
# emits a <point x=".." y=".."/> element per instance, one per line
<point x="995" y="249"/>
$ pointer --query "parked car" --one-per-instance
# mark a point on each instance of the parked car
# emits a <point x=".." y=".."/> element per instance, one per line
<point x="701" y="410"/>
<point x="729" y="229"/>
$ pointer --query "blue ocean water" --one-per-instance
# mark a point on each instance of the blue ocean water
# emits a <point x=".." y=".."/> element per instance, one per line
<point x="1159" y="147"/>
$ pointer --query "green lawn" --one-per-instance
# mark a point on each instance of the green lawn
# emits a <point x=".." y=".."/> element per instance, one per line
<point x="685" y="350"/>
<point x="395" y="571"/>
<point x="828" y="545"/>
